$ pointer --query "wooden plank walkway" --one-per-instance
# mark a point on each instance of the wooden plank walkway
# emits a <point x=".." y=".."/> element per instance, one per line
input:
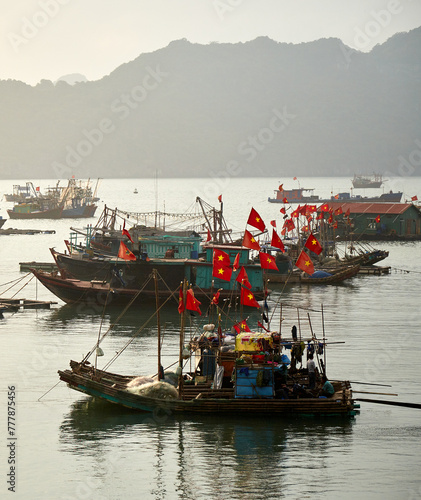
<point x="374" y="270"/>
<point x="13" y="305"/>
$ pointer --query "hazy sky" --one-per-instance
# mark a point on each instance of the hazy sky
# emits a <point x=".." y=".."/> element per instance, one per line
<point x="51" y="38"/>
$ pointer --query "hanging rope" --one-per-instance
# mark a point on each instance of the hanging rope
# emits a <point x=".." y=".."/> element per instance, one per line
<point x="16" y="281"/>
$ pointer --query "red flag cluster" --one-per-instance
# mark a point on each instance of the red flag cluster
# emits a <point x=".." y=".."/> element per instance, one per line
<point x="221" y="265"/>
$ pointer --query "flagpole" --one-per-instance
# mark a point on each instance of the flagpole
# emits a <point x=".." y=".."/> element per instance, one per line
<point x="180" y="360"/>
<point x="324" y="342"/>
<point x="158" y="322"/>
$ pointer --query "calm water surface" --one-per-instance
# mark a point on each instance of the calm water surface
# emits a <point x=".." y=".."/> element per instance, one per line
<point x="70" y="446"/>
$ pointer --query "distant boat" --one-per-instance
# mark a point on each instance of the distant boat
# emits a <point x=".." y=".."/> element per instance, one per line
<point x="135" y="191"/>
<point x="2" y="221"/>
<point x="22" y="193"/>
<point x="73" y="201"/>
<point x="32" y="211"/>
<point x="297" y="196"/>
<point x="362" y="181"/>
<point x="294" y="196"/>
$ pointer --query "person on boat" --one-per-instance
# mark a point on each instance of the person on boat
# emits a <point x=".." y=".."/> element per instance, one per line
<point x="311" y="368"/>
<point x="327" y="390"/>
<point x="170" y="253"/>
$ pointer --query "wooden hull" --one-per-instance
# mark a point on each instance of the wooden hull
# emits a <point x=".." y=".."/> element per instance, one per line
<point x="53" y="213"/>
<point x="85" y="211"/>
<point x="133" y="273"/>
<point x="74" y="291"/>
<point x="2" y="222"/>
<point x="338" y="276"/>
<point x="335" y="278"/>
<point x="110" y="387"/>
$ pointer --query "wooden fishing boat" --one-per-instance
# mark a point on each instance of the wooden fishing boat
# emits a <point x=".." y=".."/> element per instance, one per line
<point x="113" y="293"/>
<point x="322" y="276"/>
<point x="222" y="376"/>
<point x="334" y="276"/>
<point x="202" y="398"/>
<point x="31" y="211"/>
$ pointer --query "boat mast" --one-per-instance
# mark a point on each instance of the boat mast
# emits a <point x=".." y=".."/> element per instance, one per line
<point x="158" y="321"/>
<point x="182" y="325"/>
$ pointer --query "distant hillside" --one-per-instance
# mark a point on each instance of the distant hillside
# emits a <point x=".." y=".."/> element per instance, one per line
<point x="255" y="108"/>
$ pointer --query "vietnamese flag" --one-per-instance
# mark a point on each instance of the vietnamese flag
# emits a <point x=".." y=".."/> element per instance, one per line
<point x="311" y="208"/>
<point x="295" y="213"/>
<point x="220" y="198"/>
<point x="247" y="298"/>
<point x="221" y="258"/>
<point x="125" y="253"/>
<point x="313" y="245"/>
<point x="330" y="220"/>
<point x="277" y="242"/>
<point x="236" y="264"/>
<point x="281" y="187"/>
<point x="285" y="200"/>
<point x="192" y="304"/>
<point x="414" y="198"/>
<point x="241" y="326"/>
<point x="209" y="237"/>
<point x="348" y="212"/>
<point x="304" y="263"/>
<point x="338" y="211"/>
<point x="256" y="221"/>
<point x="267" y="261"/>
<point x="324" y="208"/>
<point x="222" y="272"/>
<point x="243" y="278"/>
<point x="249" y="241"/>
<point x="180" y="301"/>
<point x="289" y="224"/>
<point x="377" y="219"/>
<point x="282" y="210"/>
<point x="273" y="223"/>
<point x="336" y="197"/>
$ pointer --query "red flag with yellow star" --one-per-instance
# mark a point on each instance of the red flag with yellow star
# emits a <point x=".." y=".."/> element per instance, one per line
<point x="247" y="298"/>
<point x="222" y="272"/>
<point x="243" y="278"/>
<point x="241" y="326"/>
<point x="125" y="253"/>
<point x="277" y="242"/>
<point x="249" y="241"/>
<point x="192" y="304"/>
<point x="304" y="263"/>
<point x="180" y="301"/>
<point x="221" y="257"/>
<point x="267" y="261"/>
<point x="256" y="221"/>
<point x="313" y="245"/>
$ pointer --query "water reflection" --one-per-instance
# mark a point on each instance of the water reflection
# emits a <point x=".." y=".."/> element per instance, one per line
<point x="225" y="457"/>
